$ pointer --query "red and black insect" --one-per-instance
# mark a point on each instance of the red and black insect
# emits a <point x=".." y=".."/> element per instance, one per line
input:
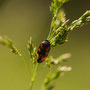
<point x="43" y="51"/>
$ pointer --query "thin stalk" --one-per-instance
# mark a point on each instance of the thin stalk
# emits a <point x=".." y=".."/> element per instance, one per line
<point x="34" y="76"/>
<point x="25" y="62"/>
<point x="51" y="28"/>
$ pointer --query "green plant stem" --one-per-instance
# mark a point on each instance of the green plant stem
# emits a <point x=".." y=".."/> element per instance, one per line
<point x="51" y="28"/>
<point x="34" y="76"/>
<point x="25" y="62"/>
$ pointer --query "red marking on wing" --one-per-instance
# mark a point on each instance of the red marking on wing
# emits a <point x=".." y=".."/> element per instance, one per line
<point x="39" y="49"/>
<point x="43" y="59"/>
<point x="41" y="46"/>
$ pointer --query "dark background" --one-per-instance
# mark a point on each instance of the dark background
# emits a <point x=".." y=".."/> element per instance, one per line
<point x="20" y="19"/>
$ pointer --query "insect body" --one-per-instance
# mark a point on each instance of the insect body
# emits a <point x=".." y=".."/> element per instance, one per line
<point x="43" y="51"/>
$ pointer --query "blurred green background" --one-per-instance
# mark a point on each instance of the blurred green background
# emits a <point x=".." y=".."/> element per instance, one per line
<point x="20" y="19"/>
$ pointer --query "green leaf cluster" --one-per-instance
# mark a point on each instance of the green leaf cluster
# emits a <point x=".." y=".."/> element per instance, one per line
<point x="32" y="51"/>
<point x="59" y="28"/>
<point x="59" y="72"/>
<point x="8" y="43"/>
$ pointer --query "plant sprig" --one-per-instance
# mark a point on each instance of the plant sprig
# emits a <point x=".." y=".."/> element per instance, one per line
<point x="59" y="29"/>
<point x="8" y="43"/>
<point x="59" y="32"/>
<point x="32" y="51"/>
<point x="59" y="72"/>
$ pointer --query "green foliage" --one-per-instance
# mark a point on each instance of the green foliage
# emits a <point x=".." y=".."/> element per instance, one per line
<point x="32" y="51"/>
<point x="55" y="61"/>
<point x="59" y="29"/>
<point x="8" y="43"/>
<point x="55" y="6"/>
<point x="81" y="21"/>
<point x="59" y="72"/>
<point x="58" y="35"/>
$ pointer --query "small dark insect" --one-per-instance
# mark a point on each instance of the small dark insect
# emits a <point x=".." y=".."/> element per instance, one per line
<point x="43" y="51"/>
